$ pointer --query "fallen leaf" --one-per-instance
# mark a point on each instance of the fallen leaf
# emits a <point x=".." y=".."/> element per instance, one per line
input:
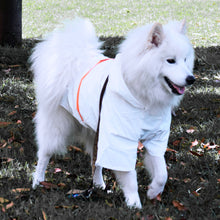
<point x="114" y="186"/>
<point x="48" y="185"/>
<point x="187" y="180"/>
<point x="4" y="124"/>
<point x="203" y="140"/>
<point x="11" y="139"/>
<point x="62" y="185"/>
<point x="3" y="145"/>
<point x="176" y="142"/>
<point x="158" y="198"/>
<point x="7" y="71"/>
<point x="21" y="150"/>
<point x="182" y="163"/>
<point x="194" y="143"/>
<point x="150" y="217"/>
<point x="67" y="173"/>
<point x="8" y="206"/>
<point x="203" y="180"/>
<point x="171" y="150"/>
<point x="44" y="215"/>
<point x="67" y="158"/>
<point x="190" y="130"/>
<point x="213" y="146"/>
<point x="3" y="200"/>
<point x="70" y="148"/>
<point x="14" y="66"/>
<point x="57" y="170"/>
<point x="75" y="191"/>
<point x="171" y="178"/>
<point x="12" y="113"/>
<point x="139" y="164"/>
<point x="179" y="205"/>
<point x="140" y="147"/>
<point x="18" y="190"/>
<point x="33" y="114"/>
<point x="195" y="193"/>
<point x="196" y="154"/>
<point x="6" y="160"/>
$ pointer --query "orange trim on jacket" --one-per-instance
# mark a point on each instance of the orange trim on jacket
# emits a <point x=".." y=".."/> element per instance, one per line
<point x="78" y="91"/>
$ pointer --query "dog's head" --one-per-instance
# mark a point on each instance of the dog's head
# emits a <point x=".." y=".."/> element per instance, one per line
<point x="176" y="56"/>
<point x="160" y="62"/>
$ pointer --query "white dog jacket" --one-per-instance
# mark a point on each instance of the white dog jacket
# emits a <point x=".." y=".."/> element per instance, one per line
<point x="123" y="121"/>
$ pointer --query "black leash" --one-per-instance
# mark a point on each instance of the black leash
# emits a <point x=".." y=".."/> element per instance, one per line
<point x="87" y="193"/>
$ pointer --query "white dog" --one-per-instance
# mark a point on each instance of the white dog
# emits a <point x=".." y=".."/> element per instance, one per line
<point x="145" y="81"/>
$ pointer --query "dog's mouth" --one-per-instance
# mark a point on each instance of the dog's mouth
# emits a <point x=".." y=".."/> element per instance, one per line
<point x="178" y="90"/>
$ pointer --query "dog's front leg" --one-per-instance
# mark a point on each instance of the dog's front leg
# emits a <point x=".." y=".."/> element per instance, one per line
<point x="128" y="183"/>
<point x="156" y="166"/>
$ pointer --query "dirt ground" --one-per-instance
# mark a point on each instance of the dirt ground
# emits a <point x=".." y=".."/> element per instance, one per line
<point x="193" y="187"/>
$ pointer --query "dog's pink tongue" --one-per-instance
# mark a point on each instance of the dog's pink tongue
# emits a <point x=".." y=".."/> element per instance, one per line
<point x="179" y="89"/>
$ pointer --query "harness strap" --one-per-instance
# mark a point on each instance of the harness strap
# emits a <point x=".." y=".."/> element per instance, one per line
<point x="95" y="147"/>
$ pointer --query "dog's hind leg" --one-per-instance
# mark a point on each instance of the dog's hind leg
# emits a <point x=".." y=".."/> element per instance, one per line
<point x="39" y="174"/>
<point x="52" y="131"/>
<point x="128" y="183"/>
<point x="98" y="178"/>
<point x="88" y="138"/>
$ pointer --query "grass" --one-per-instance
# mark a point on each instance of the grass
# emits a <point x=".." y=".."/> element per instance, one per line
<point x="193" y="171"/>
<point x="116" y="18"/>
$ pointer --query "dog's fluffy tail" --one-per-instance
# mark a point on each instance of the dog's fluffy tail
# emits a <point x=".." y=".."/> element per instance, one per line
<point x="62" y="56"/>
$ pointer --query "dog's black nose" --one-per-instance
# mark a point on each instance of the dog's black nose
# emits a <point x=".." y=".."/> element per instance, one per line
<point x="190" y="80"/>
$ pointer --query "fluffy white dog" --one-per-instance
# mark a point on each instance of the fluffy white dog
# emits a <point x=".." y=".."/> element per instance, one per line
<point x="145" y="81"/>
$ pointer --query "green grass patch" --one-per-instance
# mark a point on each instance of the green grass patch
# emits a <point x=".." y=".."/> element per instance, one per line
<point x="116" y="18"/>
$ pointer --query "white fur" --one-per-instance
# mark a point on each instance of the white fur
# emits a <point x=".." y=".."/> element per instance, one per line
<point x="144" y="65"/>
<point x="66" y="54"/>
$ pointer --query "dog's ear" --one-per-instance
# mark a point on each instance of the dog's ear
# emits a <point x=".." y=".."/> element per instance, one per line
<point x="183" y="27"/>
<point x="155" y="37"/>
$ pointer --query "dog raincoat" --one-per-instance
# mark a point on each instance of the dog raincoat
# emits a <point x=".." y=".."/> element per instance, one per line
<point x="123" y="121"/>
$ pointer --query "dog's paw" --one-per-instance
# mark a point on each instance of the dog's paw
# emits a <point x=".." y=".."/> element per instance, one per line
<point x="157" y="185"/>
<point x="36" y="181"/>
<point x="98" y="179"/>
<point x="154" y="190"/>
<point x="100" y="184"/>
<point x="133" y="201"/>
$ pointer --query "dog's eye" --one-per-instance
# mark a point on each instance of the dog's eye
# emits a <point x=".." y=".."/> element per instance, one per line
<point x="185" y="60"/>
<point x="171" y="61"/>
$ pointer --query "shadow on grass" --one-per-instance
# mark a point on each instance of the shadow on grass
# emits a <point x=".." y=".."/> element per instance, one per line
<point x="193" y="172"/>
